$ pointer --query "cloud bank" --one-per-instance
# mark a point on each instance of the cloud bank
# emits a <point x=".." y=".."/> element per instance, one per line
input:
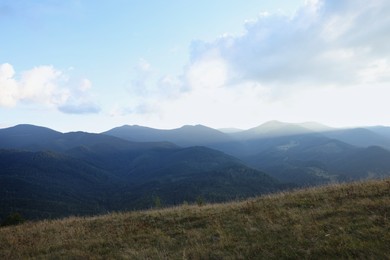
<point x="325" y="42"/>
<point x="45" y="85"/>
<point x="327" y="59"/>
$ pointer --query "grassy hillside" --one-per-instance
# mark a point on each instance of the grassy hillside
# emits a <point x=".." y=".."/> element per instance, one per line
<point x="340" y="221"/>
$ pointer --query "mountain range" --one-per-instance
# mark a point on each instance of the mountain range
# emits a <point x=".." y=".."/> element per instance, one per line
<point x="304" y="154"/>
<point x="49" y="174"/>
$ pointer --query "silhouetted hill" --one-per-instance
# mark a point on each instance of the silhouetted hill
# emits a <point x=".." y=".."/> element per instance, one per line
<point x="381" y="130"/>
<point x="132" y="175"/>
<point x="27" y="137"/>
<point x="355" y="136"/>
<point x="313" y="159"/>
<point x="180" y="174"/>
<point x="359" y="137"/>
<point x="271" y="129"/>
<point x="188" y="173"/>
<point x="301" y="159"/>
<point x="36" y="138"/>
<point x="184" y="136"/>
<point x="50" y="185"/>
<point x="108" y="173"/>
<point x="371" y="162"/>
<point x="252" y="141"/>
<point x="305" y="154"/>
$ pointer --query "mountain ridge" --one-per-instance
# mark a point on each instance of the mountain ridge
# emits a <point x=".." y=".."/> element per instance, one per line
<point x="136" y="173"/>
<point x="201" y="159"/>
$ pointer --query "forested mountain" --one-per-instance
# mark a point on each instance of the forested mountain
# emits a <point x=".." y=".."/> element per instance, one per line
<point x="184" y="136"/>
<point x="360" y="137"/>
<point x="271" y="129"/>
<point x="308" y="162"/>
<point x="35" y="138"/>
<point x="83" y="173"/>
<point x="45" y="173"/>
<point x="27" y="137"/>
<point x="305" y="154"/>
<point x="381" y="130"/>
<point x="51" y="185"/>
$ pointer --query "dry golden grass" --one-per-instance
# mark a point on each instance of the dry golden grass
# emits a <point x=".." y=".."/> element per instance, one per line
<point x="338" y="221"/>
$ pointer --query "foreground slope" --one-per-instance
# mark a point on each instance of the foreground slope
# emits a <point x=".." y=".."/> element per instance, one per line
<point x="342" y="221"/>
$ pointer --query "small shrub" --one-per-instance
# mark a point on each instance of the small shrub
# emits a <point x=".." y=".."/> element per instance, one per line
<point x="199" y="201"/>
<point x="157" y="202"/>
<point x="12" y="219"/>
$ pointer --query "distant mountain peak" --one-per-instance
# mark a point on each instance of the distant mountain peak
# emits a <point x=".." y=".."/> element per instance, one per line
<point x="131" y="126"/>
<point x="274" y="123"/>
<point x="187" y="135"/>
<point x="29" y="127"/>
<point x="272" y="128"/>
<point x="194" y="126"/>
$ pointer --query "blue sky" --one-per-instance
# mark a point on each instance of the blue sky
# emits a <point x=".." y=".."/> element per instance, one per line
<point x="93" y="65"/>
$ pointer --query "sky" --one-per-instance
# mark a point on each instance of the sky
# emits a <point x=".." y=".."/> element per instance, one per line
<point x="93" y="65"/>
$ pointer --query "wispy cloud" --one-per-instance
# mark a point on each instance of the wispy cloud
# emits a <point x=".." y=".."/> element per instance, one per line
<point x="146" y="89"/>
<point x="8" y="85"/>
<point x="146" y="81"/>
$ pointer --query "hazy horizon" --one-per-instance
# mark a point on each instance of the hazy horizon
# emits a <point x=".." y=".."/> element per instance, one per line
<point x="87" y="66"/>
<point x="224" y="130"/>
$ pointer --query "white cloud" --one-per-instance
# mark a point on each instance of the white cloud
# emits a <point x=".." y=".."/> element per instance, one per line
<point x="284" y="50"/>
<point x="170" y="86"/>
<point x="8" y="86"/>
<point x="45" y="85"/>
<point x="327" y="63"/>
<point x="210" y="71"/>
<point x="145" y="89"/>
<point x="375" y="71"/>
<point x="42" y="85"/>
<point x="85" y="85"/>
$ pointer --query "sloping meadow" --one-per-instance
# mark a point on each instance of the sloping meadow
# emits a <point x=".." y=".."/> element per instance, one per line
<point x="337" y="221"/>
